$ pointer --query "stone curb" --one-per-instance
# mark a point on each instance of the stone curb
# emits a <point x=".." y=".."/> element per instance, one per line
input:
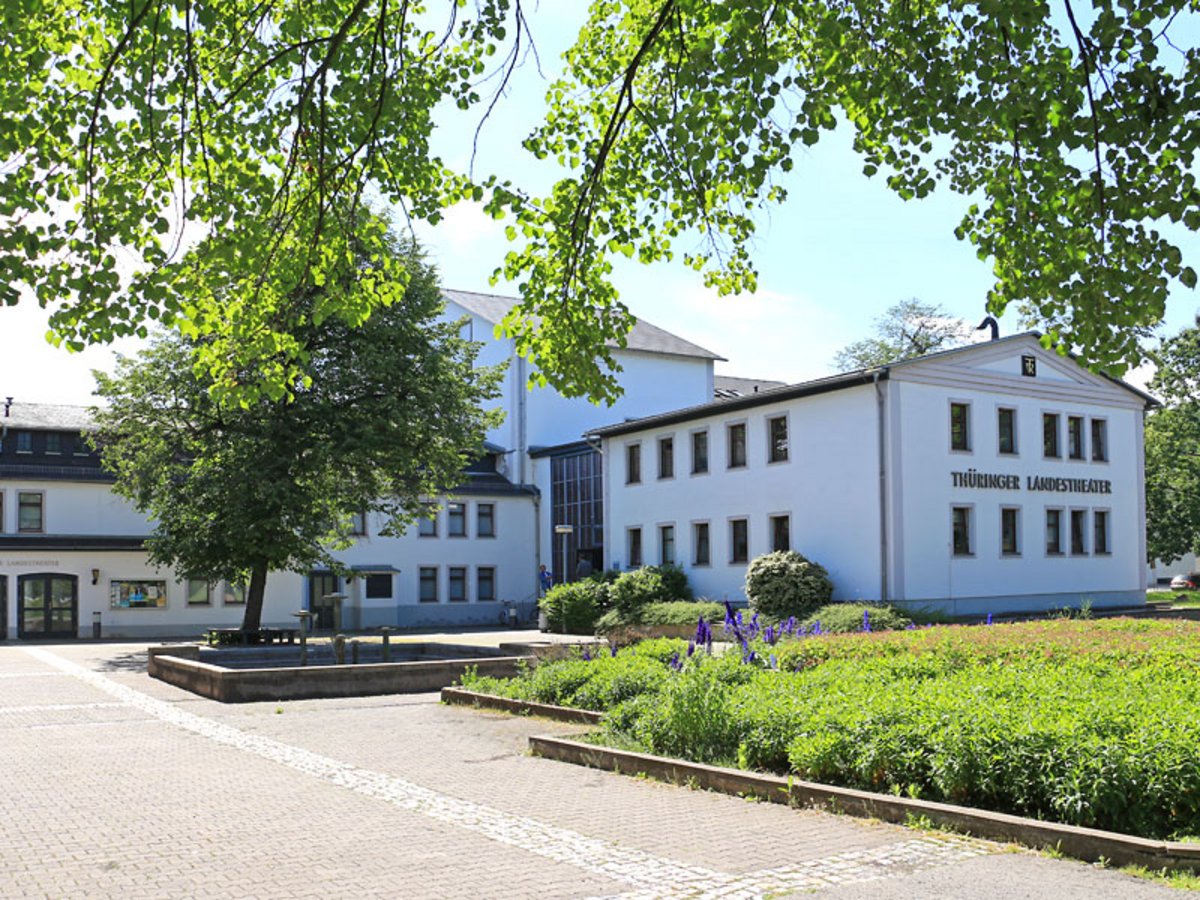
<point x="461" y="697"/>
<point x="1082" y="843"/>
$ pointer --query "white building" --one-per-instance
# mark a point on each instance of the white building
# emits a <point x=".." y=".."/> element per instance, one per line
<point x="996" y="477"/>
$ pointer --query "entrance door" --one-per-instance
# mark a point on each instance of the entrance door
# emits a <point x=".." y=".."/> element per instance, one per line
<point x="320" y="584"/>
<point x="47" y="606"/>
<point x="3" y="607"/>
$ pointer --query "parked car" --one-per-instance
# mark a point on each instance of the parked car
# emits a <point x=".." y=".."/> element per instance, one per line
<point x="1186" y="582"/>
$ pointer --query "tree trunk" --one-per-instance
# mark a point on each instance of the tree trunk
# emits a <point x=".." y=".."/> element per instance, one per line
<point x="252" y="620"/>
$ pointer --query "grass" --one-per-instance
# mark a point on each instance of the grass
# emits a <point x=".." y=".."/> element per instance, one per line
<point x="1176" y="598"/>
<point x="1184" y="881"/>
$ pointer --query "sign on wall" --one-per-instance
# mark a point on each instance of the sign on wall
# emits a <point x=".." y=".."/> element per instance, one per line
<point x="137" y="594"/>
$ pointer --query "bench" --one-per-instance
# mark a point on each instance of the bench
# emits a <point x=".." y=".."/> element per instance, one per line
<point x="237" y="637"/>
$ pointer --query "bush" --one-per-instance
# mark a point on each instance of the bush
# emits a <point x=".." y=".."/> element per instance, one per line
<point x="680" y="612"/>
<point x="784" y="583"/>
<point x="845" y="618"/>
<point x="574" y="607"/>
<point x="675" y="583"/>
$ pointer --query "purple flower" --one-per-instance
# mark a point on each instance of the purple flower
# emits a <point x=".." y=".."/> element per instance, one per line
<point x="675" y="663"/>
<point x="728" y="613"/>
<point x="774" y="662"/>
<point x="749" y="658"/>
<point x="866" y="621"/>
<point x="612" y="649"/>
<point x="691" y="648"/>
<point x="816" y="629"/>
<point x="586" y="655"/>
<point x="989" y="621"/>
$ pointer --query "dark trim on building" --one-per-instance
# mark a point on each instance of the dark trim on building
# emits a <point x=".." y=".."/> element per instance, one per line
<point x="71" y="542"/>
<point x="23" y="472"/>
<point x="568" y="449"/>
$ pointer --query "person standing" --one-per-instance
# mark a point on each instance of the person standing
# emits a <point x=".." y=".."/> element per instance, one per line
<point x="545" y="580"/>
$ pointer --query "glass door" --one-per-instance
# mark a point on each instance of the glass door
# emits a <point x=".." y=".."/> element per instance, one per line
<point x="47" y="606"/>
<point x="319" y="585"/>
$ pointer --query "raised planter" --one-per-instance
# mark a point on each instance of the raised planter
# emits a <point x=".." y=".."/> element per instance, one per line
<point x="462" y="697"/>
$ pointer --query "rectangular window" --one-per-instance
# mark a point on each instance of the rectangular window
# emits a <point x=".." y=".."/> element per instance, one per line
<point x="699" y="452"/>
<point x="1075" y="437"/>
<point x="234" y="594"/>
<point x="777" y="439"/>
<point x="379" y="586"/>
<point x="635" y="548"/>
<point x="701" y="553"/>
<point x="456" y="519"/>
<point x="739" y="540"/>
<point x="1050" y="436"/>
<point x="137" y="595"/>
<point x="30" y="514"/>
<point x="53" y="443"/>
<point x="458" y="584"/>
<point x="427" y="527"/>
<point x="429" y="585"/>
<point x="666" y="457"/>
<point x="1006" y="427"/>
<point x="960" y="426"/>
<point x="781" y="537"/>
<point x="633" y="463"/>
<point x="1100" y="543"/>
<point x="1078" y="532"/>
<point x="485" y="584"/>
<point x="1099" y="440"/>
<point x="485" y="520"/>
<point x="199" y="592"/>
<point x="1010" y="532"/>
<point x="1054" y="532"/>
<point x="960" y="524"/>
<point x="737" y="445"/>
<point x="666" y="545"/>
<point x="358" y="524"/>
<point x="24" y="441"/>
<point x="1" y="516"/>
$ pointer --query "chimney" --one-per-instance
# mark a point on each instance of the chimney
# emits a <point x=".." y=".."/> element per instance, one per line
<point x="7" y="406"/>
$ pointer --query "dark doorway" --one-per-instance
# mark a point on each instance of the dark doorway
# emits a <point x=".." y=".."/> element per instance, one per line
<point x="319" y="585"/>
<point x="47" y="606"/>
<point x="3" y="607"/>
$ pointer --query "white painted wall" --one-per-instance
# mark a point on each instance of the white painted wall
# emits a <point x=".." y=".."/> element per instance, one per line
<point x="74" y="508"/>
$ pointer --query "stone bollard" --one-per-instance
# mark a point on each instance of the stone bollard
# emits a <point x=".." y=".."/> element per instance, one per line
<point x="387" y="649"/>
<point x="303" y="615"/>
<point x="354" y="652"/>
<point x="339" y="649"/>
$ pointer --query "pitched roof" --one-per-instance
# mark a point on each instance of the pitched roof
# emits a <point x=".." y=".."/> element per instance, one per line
<point x="644" y="337"/>
<point x="44" y="416"/>
<point x="726" y="387"/>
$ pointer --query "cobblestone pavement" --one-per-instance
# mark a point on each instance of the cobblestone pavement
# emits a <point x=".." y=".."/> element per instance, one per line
<point x="115" y="785"/>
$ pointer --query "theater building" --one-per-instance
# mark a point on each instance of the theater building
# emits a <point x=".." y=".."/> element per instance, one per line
<point x="992" y="478"/>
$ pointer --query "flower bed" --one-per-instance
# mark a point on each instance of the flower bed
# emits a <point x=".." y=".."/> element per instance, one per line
<point x="1091" y="723"/>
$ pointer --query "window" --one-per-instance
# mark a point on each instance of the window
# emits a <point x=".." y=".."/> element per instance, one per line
<point x="1078" y="532"/>
<point x="1075" y="437"/>
<point x="666" y="545"/>
<point x="1010" y="530"/>
<point x="1054" y="532"/>
<point x="24" y="441"/>
<point x="781" y="539"/>
<point x="379" y="586"/>
<point x="960" y="426"/>
<point x="458" y="584"/>
<point x="1099" y="440"/>
<point x="427" y="527"/>
<point x="737" y="445"/>
<point x="1006" y="428"/>
<point x="485" y="584"/>
<point x="429" y="588"/>
<point x="701" y="553"/>
<point x="634" y="536"/>
<point x="137" y="595"/>
<point x="234" y="594"/>
<point x="1100" y="544"/>
<point x="777" y="439"/>
<point x="666" y="457"/>
<point x="633" y="463"/>
<point x="53" y="443"/>
<point x="199" y="592"/>
<point x="699" y="452"/>
<point x="1" y="518"/>
<point x="485" y="520"/>
<point x="960" y="526"/>
<point x="739" y="540"/>
<point x="358" y="524"/>
<point x="456" y="519"/>
<point x="1050" y="436"/>
<point x="30" y="514"/>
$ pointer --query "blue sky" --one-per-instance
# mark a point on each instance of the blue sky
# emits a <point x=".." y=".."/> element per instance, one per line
<point x="831" y="259"/>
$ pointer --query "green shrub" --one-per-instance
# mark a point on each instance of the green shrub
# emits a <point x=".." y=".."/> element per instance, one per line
<point x="680" y="612"/>
<point x="573" y="608"/>
<point x="784" y="583"/>
<point x="675" y="585"/>
<point x="635" y="589"/>
<point x="845" y="618"/>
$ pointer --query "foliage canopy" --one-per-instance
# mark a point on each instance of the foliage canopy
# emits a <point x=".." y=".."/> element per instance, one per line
<point x="906" y="329"/>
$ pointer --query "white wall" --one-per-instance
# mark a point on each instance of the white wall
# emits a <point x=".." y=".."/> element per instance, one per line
<point x="74" y="508"/>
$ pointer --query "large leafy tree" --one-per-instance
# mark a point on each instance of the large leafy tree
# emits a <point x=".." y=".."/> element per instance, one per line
<point x="1173" y="449"/>
<point x="134" y="129"/>
<point x="906" y="329"/>
<point x="386" y="416"/>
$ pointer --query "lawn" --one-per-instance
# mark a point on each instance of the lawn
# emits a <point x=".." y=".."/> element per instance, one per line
<point x="1176" y="598"/>
<point x="1087" y="722"/>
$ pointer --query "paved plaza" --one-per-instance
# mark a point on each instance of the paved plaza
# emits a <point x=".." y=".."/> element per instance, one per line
<point x="116" y="785"/>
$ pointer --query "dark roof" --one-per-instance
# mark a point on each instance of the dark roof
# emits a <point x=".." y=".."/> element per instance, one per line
<point x="644" y="337"/>
<point x="726" y="387"/>
<point x="45" y="416"/>
<point x="571" y="448"/>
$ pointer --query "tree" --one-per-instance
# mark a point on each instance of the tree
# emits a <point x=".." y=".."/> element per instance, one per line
<point x="134" y="129"/>
<point x="1173" y="449"/>
<point x="907" y="329"/>
<point x="387" y="416"/>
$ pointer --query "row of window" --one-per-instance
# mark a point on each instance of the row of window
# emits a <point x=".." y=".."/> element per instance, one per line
<point x="456" y="521"/>
<point x="779" y="527"/>
<point x="456" y="584"/>
<point x="53" y="443"/>
<point x="1083" y="531"/>
<point x="31" y="512"/>
<point x="1081" y="434"/>
<point x="735" y="450"/>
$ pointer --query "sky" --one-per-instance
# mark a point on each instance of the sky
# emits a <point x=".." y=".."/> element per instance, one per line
<point x="831" y="259"/>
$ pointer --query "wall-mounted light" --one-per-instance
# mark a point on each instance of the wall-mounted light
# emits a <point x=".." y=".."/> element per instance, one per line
<point x="95" y="576"/>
